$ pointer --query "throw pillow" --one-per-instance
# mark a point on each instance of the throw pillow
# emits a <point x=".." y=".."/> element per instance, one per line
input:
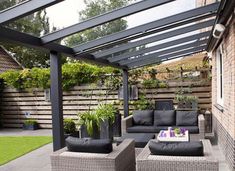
<point x="186" y="118"/>
<point x="164" y="117"/>
<point x="143" y="117"/>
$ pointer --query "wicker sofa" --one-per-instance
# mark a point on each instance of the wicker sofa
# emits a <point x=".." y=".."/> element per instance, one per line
<point x="147" y="162"/>
<point x="197" y="130"/>
<point x="122" y="158"/>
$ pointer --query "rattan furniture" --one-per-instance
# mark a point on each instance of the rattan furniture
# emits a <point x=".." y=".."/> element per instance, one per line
<point x="122" y="158"/>
<point x="147" y="162"/>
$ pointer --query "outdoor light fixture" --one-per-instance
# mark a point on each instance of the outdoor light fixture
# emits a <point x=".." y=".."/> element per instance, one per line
<point x="218" y="31"/>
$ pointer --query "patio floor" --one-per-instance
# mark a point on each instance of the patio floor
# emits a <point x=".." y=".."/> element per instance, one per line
<point x="39" y="159"/>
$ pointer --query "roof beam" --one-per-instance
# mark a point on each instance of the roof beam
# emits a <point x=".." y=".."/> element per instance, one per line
<point x="24" y="9"/>
<point x="159" y="37"/>
<point x="165" y="52"/>
<point x="167" y="57"/>
<point x="31" y="41"/>
<point x="147" y="29"/>
<point x="163" y="45"/>
<point x="104" y="18"/>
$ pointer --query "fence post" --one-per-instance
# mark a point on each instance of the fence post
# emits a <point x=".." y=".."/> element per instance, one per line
<point x="125" y="93"/>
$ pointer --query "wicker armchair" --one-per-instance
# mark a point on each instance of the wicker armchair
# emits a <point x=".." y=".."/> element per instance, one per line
<point x="147" y="162"/>
<point x="122" y="158"/>
<point x="128" y="122"/>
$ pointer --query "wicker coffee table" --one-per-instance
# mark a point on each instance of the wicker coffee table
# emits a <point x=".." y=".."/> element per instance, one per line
<point x="162" y="138"/>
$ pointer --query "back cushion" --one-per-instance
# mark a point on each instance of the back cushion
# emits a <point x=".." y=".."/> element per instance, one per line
<point x="89" y="145"/>
<point x="143" y="117"/>
<point x="164" y="117"/>
<point x="176" y="148"/>
<point x="186" y="118"/>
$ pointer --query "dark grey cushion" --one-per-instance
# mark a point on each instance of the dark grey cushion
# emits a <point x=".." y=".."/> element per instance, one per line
<point x="191" y="129"/>
<point x="176" y="148"/>
<point x="89" y="145"/>
<point x="141" y="139"/>
<point x="186" y="118"/>
<point x="141" y="129"/>
<point x="143" y="117"/>
<point x="164" y="117"/>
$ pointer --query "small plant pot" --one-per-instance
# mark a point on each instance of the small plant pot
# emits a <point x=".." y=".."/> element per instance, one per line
<point x="106" y="130"/>
<point x="30" y="127"/>
<point x="188" y="105"/>
<point x="84" y="133"/>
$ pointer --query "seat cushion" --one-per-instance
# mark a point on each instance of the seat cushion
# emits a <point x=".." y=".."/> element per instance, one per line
<point x="191" y="129"/>
<point x="143" y="117"/>
<point x="89" y="145"/>
<point x="186" y="118"/>
<point x="141" y="139"/>
<point x="176" y="148"/>
<point x="164" y="117"/>
<point x="141" y="129"/>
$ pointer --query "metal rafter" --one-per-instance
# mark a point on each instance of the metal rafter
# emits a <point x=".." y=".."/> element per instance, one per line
<point x="104" y="18"/>
<point x="146" y="29"/>
<point x="164" y="45"/>
<point x="165" y="52"/>
<point x="24" y="9"/>
<point x="168" y="57"/>
<point x="31" y="41"/>
<point x="176" y="32"/>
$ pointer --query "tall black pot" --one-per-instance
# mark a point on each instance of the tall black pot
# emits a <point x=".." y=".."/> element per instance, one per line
<point x="106" y="129"/>
<point x="84" y="133"/>
<point x="117" y="125"/>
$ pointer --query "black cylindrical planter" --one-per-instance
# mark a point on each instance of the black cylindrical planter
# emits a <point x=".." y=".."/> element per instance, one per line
<point x="106" y="130"/>
<point x="84" y="133"/>
<point x="117" y="125"/>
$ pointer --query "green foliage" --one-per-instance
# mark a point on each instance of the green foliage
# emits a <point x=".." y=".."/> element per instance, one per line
<point x="106" y="112"/>
<point x="94" y="8"/>
<point x="89" y="119"/>
<point x="150" y="83"/>
<point x="72" y="74"/>
<point x="113" y="82"/>
<point x="69" y="126"/>
<point x="163" y="84"/>
<point x="30" y="122"/>
<point x="142" y="103"/>
<point x="185" y="98"/>
<point x="36" y="24"/>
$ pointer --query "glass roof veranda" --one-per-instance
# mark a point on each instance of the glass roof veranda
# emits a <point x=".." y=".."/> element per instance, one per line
<point x="192" y="32"/>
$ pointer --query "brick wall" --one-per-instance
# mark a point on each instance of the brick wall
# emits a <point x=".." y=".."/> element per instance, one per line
<point x="224" y="121"/>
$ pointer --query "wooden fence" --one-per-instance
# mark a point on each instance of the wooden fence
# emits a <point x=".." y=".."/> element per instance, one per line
<point x="15" y="104"/>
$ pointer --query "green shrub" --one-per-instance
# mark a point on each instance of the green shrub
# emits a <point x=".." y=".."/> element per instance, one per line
<point x="30" y="122"/>
<point x="142" y="103"/>
<point x="163" y="85"/>
<point x="150" y="83"/>
<point x="105" y="112"/>
<point x="69" y="126"/>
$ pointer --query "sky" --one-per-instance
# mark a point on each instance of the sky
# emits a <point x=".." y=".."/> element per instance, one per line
<point x="65" y="13"/>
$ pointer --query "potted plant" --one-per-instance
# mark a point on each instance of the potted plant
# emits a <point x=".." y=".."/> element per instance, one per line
<point x="30" y="124"/>
<point x="88" y="122"/>
<point x="180" y="99"/>
<point x="106" y="117"/>
<point x="69" y="128"/>
<point x="193" y="101"/>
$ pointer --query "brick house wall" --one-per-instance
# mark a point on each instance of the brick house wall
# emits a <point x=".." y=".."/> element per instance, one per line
<point x="224" y="120"/>
<point x="224" y="116"/>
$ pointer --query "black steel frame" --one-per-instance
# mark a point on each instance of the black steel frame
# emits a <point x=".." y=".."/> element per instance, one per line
<point x="114" y="50"/>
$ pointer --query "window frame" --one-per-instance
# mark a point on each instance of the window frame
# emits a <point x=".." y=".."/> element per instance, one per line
<point x="220" y="75"/>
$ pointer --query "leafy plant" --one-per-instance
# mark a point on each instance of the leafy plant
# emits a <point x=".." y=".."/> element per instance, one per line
<point x="105" y="112"/>
<point x="88" y="119"/>
<point x="142" y="103"/>
<point x="112" y="82"/>
<point x="30" y="122"/>
<point x="150" y="83"/>
<point x="191" y="99"/>
<point x="163" y="84"/>
<point x="69" y="126"/>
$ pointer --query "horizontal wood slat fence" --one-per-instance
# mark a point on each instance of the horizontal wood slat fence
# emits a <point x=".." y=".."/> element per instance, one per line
<point x="14" y="103"/>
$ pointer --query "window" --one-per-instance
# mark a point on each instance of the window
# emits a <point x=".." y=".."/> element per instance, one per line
<point x="219" y="70"/>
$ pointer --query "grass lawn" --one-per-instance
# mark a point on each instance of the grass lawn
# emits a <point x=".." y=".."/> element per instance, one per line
<point x="14" y="147"/>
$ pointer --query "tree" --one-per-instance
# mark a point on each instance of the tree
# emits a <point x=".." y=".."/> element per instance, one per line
<point x="94" y="8"/>
<point x="36" y="24"/>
